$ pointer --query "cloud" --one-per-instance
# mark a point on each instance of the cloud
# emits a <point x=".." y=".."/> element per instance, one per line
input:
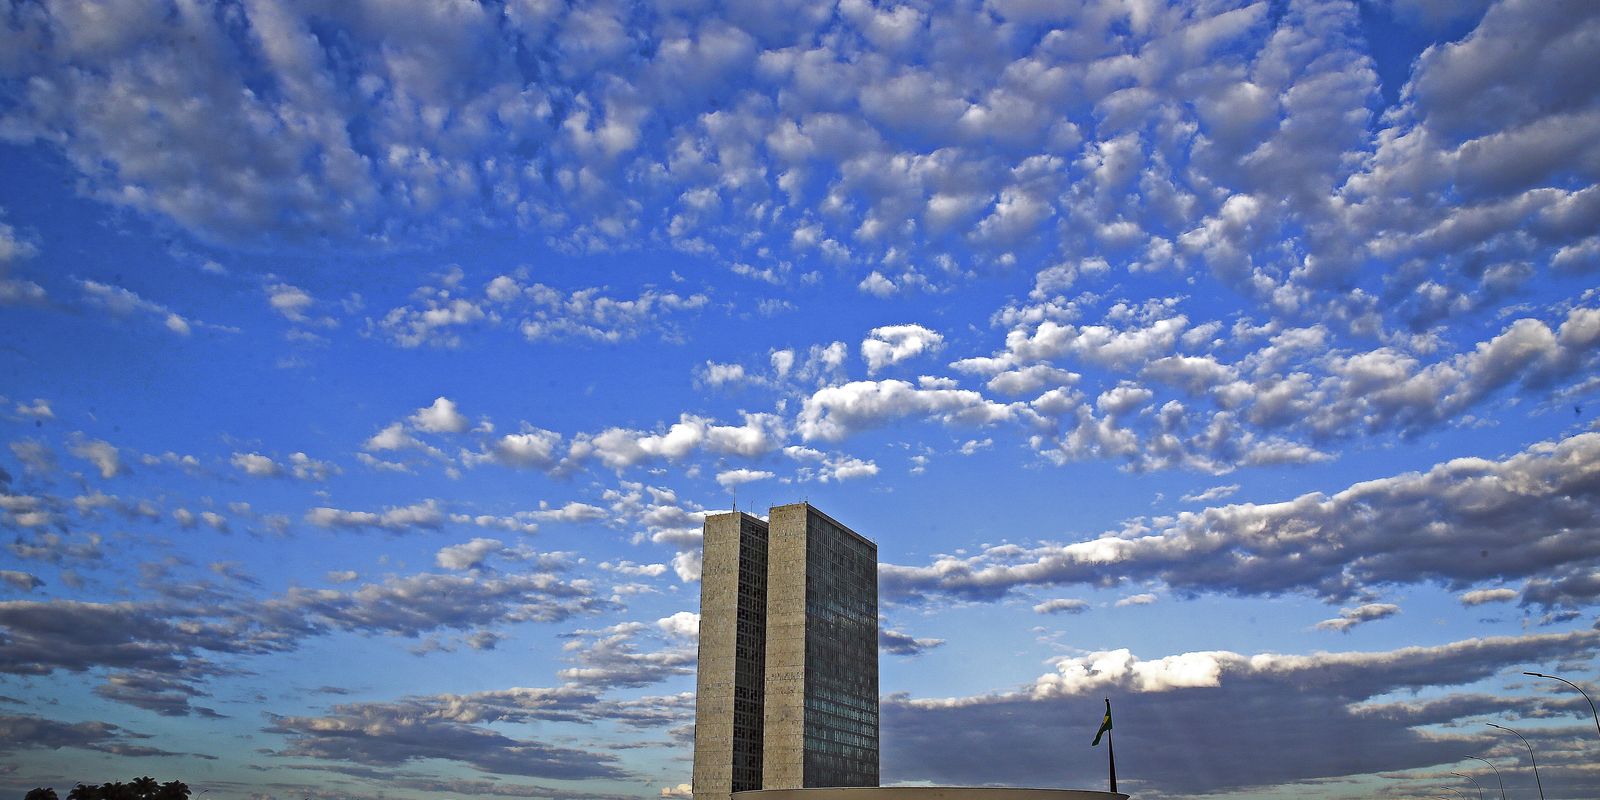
<point x="43" y="636"/>
<point x="39" y="410"/>
<point x="469" y="555"/>
<point x="307" y="468"/>
<point x="824" y="467"/>
<point x="124" y="303"/>
<point x="445" y="310"/>
<point x="681" y="624"/>
<point x="717" y="375"/>
<point x="102" y="454"/>
<point x="533" y="447"/>
<point x="736" y="477"/>
<point x="19" y="732"/>
<point x="441" y="417"/>
<point x="288" y="300"/>
<point x="13" y="247"/>
<point x="1239" y="718"/>
<point x="463" y="728"/>
<point x="20" y="581"/>
<point x="391" y="735"/>
<point x="1360" y="615"/>
<point x="1062" y="605"/>
<point x="904" y="644"/>
<point x="836" y="412"/>
<point x="620" y="448"/>
<point x="1409" y="528"/>
<point x="424" y="515"/>
<point x="610" y="657"/>
<point x="1478" y="597"/>
<point x="1214" y="493"/>
<point x="1137" y="600"/>
<point x="256" y="465"/>
<point x="152" y="691"/>
<point x="410" y="605"/>
<point x="892" y="344"/>
<point x="572" y="511"/>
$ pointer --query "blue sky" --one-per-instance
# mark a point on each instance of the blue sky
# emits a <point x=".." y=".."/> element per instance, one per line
<point x="370" y="367"/>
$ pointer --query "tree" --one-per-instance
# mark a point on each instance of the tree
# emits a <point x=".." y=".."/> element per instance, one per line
<point x="142" y="788"/>
<point x="172" y="790"/>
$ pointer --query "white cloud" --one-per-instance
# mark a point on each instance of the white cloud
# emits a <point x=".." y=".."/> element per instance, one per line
<point x="39" y="410"/>
<point x="782" y="362"/>
<point x="836" y="412"/>
<point x="1351" y="617"/>
<point x="681" y="624"/>
<point x="1214" y="493"/>
<point x="571" y="512"/>
<point x="16" y="291"/>
<point x="424" y="515"/>
<point x="1378" y="532"/>
<point x="392" y="437"/>
<point x="102" y="454"/>
<point x="892" y="344"/>
<point x="620" y="448"/>
<point x="534" y="447"/>
<point x="288" y="300"/>
<point x="738" y="477"/>
<point x="441" y="417"/>
<point x="687" y="566"/>
<point x="256" y="465"/>
<point x="715" y="374"/>
<point x="307" y="468"/>
<point x="1478" y="597"/>
<point x="468" y="555"/>
<point x="1062" y="605"/>
<point x="124" y="303"/>
<point x="1136" y="600"/>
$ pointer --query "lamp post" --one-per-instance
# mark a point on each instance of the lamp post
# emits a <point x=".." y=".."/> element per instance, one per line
<point x="1535" y="761"/>
<point x="1474" y="782"/>
<point x="1496" y="775"/>
<point x="1580" y="691"/>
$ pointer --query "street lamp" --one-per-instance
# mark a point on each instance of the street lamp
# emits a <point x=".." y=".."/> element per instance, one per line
<point x="1474" y="783"/>
<point x="1496" y="775"/>
<point x="1580" y="691"/>
<point x="1535" y="761"/>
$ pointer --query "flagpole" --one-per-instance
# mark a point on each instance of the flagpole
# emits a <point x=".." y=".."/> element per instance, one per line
<point x="1111" y="752"/>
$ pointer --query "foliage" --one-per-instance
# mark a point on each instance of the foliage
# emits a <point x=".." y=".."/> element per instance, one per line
<point x="141" y="788"/>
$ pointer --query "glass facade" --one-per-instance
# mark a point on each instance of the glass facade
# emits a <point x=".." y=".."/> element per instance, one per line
<point x="841" y="693"/>
<point x="750" y="655"/>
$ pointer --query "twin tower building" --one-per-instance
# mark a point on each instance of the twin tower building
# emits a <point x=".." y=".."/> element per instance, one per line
<point x="787" y="683"/>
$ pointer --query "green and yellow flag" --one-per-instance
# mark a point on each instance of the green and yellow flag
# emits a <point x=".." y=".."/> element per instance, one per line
<point x="1104" y="726"/>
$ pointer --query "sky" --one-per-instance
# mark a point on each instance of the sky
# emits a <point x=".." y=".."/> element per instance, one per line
<point x="369" y="367"/>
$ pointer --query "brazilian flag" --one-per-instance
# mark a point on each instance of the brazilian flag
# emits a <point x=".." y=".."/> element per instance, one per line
<point x="1104" y="726"/>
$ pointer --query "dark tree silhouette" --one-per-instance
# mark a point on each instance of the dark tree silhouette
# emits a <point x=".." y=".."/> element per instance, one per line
<point x="143" y="788"/>
<point x="172" y="790"/>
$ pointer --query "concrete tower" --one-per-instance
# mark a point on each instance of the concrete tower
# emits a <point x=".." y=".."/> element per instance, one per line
<point x="730" y="677"/>
<point x="788" y="670"/>
<point x="822" y="653"/>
